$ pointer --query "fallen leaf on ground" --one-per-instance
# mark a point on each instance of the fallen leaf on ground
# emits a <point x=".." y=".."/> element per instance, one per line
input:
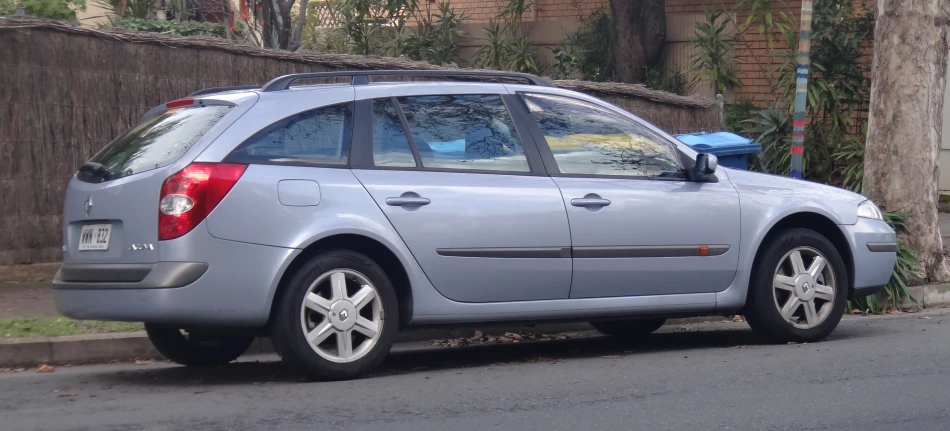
<point x="143" y="361"/>
<point x="63" y="395"/>
<point x="792" y="342"/>
<point x="738" y="318"/>
<point x="611" y="356"/>
<point x="45" y="368"/>
<point x="478" y="335"/>
<point x="856" y="311"/>
<point x="201" y="392"/>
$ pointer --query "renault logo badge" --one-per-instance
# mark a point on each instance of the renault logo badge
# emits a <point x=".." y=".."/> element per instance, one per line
<point x="88" y="205"/>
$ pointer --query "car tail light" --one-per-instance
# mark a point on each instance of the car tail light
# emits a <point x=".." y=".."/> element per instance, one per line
<point x="179" y="103"/>
<point x="189" y="195"/>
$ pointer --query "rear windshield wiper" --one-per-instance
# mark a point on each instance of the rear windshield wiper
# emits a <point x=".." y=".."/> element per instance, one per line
<point x="93" y="170"/>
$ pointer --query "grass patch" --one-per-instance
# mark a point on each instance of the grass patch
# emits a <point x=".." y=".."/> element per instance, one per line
<point x="56" y="326"/>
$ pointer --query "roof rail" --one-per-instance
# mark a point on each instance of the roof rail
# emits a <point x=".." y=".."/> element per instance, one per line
<point x="359" y="77"/>
<point x="207" y="91"/>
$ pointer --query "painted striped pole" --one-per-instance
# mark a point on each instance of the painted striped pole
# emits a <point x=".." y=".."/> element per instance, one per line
<point x="801" y="90"/>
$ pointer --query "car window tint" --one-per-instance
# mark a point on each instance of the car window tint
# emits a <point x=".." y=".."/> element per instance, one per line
<point x="158" y="140"/>
<point x="468" y="131"/>
<point x="587" y="139"/>
<point x="319" y="136"/>
<point x="390" y="143"/>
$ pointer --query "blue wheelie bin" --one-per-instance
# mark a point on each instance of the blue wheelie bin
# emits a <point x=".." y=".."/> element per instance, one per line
<point x="732" y="150"/>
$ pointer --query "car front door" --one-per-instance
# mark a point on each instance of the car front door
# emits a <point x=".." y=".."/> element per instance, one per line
<point x="638" y="226"/>
<point x="472" y="204"/>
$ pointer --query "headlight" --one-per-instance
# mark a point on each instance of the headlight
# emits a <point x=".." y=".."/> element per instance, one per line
<point x="867" y="209"/>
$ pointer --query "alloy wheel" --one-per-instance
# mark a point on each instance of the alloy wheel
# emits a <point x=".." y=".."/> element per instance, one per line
<point x="804" y="287"/>
<point x="342" y="316"/>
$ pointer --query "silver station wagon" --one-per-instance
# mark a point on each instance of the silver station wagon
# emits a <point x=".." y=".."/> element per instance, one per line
<point x="331" y="216"/>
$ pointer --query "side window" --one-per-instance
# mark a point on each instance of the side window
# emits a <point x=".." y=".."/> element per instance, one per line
<point x="319" y="136"/>
<point x="390" y="143"/>
<point x="587" y="139"/>
<point x="466" y="131"/>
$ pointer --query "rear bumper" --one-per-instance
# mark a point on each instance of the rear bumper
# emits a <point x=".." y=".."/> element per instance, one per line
<point x="161" y="275"/>
<point x="200" y="280"/>
<point x="874" y="249"/>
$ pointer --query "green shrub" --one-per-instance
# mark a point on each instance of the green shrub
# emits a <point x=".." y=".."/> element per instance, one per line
<point x="182" y="28"/>
<point x="587" y="51"/>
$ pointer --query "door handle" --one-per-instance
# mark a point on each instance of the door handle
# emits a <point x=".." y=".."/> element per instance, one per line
<point x="590" y="202"/>
<point x="406" y="201"/>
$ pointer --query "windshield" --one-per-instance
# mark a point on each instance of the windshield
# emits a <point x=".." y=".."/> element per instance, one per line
<point x="156" y="142"/>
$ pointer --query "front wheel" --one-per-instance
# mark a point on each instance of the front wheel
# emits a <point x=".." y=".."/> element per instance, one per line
<point x="196" y="349"/>
<point x="337" y="318"/>
<point x="628" y="328"/>
<point x="799" y="288"/>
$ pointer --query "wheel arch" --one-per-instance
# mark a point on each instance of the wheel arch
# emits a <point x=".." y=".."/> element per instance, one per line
<point x="360" y="243"/>
<point x="819" y="223"/>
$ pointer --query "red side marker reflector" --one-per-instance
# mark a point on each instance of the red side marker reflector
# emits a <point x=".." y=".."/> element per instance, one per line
<point x="179" y="103"/>
<point x="704" y="250"/>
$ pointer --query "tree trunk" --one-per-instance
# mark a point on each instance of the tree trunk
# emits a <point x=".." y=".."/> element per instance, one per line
<point x="911" y="38"/>
<point x="639" y="32"/>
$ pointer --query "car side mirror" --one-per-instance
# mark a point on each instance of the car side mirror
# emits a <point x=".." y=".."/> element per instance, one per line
<point x="705" y="167"/>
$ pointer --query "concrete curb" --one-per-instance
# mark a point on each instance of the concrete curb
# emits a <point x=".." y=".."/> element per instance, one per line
<point x="123" y="347"/>
<point x="930" y="295"/>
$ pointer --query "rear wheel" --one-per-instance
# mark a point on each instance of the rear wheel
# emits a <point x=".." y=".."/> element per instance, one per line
<point x="628" y="328"/>
<point x="337" y="318"/>
<point x="196" y="349"/>
<point x="798" y="289"/>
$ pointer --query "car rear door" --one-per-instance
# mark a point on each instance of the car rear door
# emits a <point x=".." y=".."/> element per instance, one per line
<point x="471" y="202"/>
<point x="638" y="226"/>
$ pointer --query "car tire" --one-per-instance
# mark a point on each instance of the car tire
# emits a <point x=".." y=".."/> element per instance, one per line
<point x="628" y="328"/>
<point x="314" y="306"/>
<point x="196" y="350"/>
<point x="785" y="304"/>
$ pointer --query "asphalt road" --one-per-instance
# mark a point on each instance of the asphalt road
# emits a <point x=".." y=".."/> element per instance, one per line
<point x="873" y="373"/>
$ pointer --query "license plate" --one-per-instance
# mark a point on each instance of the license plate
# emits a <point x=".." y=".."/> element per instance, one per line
<point x="95" y="237"/>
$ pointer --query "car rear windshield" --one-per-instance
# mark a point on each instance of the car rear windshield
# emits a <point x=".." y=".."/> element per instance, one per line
<point x="156" y="142"/>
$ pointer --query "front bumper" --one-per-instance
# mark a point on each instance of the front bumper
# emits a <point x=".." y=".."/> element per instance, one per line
<point x="874" y="250"/>
<point x="200" y="280"/>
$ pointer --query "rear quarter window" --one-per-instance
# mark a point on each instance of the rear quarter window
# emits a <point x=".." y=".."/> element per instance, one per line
<point x="157" y="141"/>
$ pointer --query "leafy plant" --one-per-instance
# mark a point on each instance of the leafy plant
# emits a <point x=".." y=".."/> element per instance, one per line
<point x="133" y="8"/>
<point x="64" y="10"/>
<point x="737" y="112"/>
<point x="587" y="50"/>
<point x="566" y="61"/>
<point x="851" y="155"/>
<point x="436" y="41"/>
<point x="675" y="80"/>
<point x="762" y="17"/>
<point x="896" y="290"/>
<point x="183" y="28"/>
<point x="715" y="51"/>
<point x="772" y="128"/>
<point x="369" y="24"/>
<point x="507" y="46"/>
